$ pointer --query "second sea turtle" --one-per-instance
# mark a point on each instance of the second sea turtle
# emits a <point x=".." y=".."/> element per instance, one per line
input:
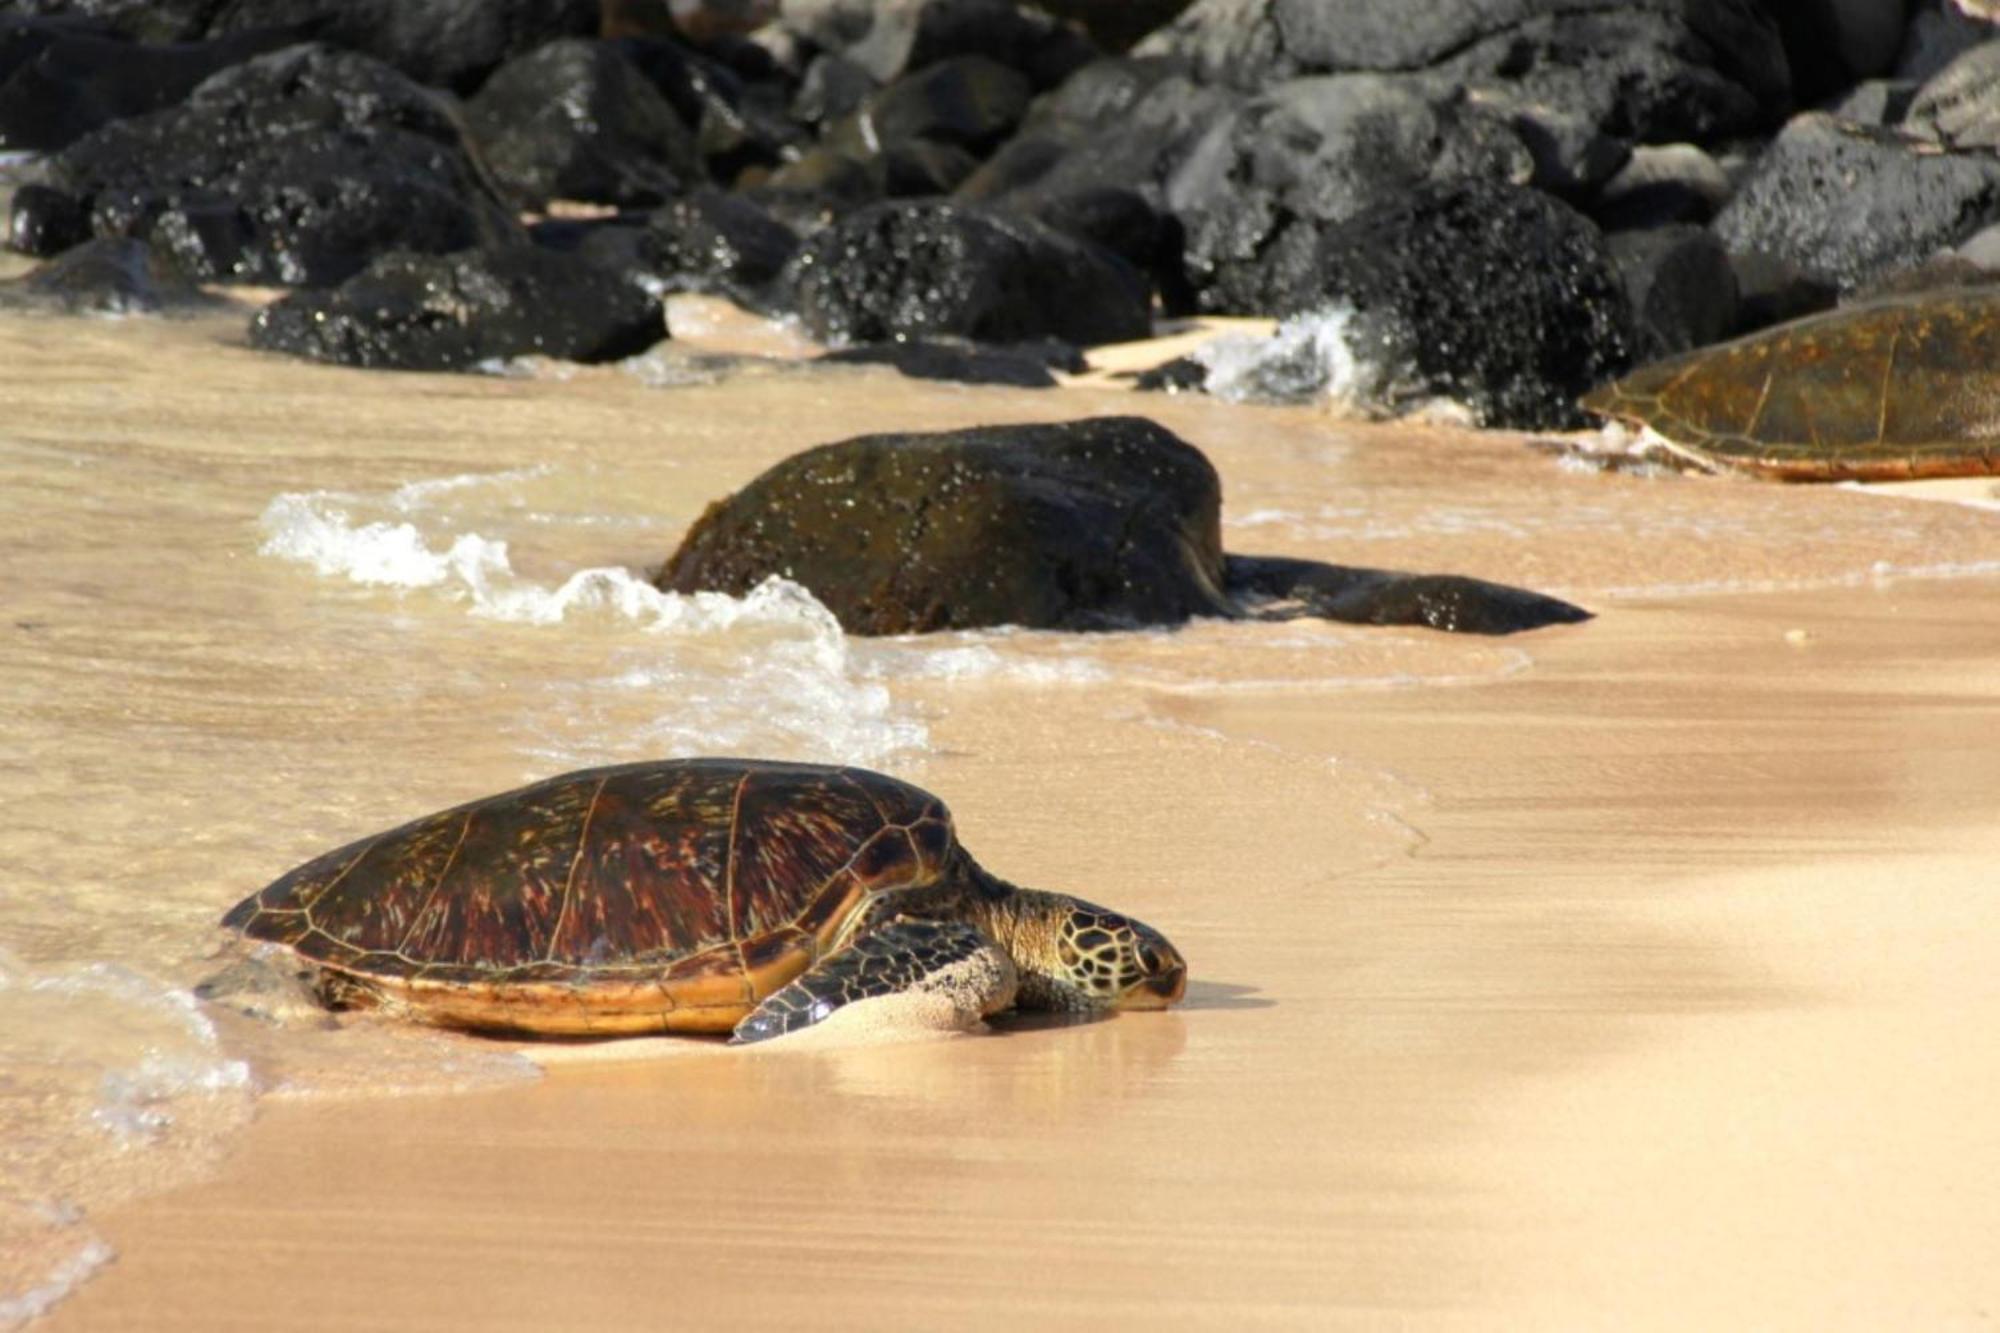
<point x="1901" y="387"/>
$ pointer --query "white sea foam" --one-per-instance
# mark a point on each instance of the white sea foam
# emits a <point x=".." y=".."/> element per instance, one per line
<point x="981" y="661"/>
<point x="1324" y="356"/>
<point x="80" y="1252"/>
<point x="1308" y="356"/>
<point x="101" y="1063"/>
<point x="769" y="671"/>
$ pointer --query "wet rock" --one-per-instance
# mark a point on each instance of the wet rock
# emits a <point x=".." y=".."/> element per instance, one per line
<point x="1848" y="204"/>
<point x="834" y="178"/>
<point x="59" y="81"/>
<point x="1121" y="124"/>
<point x="452" y="312"/>
<point x="1123" y="222"/>
<point x="1183" y="374"/>
<point x="1832" y="44"/>
<point x="709" y="241"/>
<point x="134" y="20"/>
<point x="1652" y="71"/>
<point x="451" y="44"/>
<point x="963" y="363"/>
<point x="969" y="101"/>
<point x="1115" y="24"/>
<point x="1661" y="184"/>
<point x="1959" y="106"/>
<point x="1939" y="31"/>
<point x="1491" y="295"/>
<point x="105" y="277"/>
<point x="892" y="38"/>
<point x="575" y="119"/>
<point x="1681" y="286"/>
<point x="833" y="87"/>
<point x="1258" y="191"/>
<point x="293" y="168"/>
<point x="925" y="269"/>
<point x="738" y="123"/>
<point x="1875" y="102"/>
<point x="45" y="221"/>
<point x="1086" y="525"/>
<point x="1570" y="156"/>
<point x="1771" y="290"/>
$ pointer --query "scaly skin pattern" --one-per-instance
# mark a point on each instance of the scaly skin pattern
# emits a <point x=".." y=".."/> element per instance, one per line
<point x="899" y="957"/>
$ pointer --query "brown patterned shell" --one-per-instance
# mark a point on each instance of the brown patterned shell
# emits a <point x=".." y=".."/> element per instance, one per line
<point x="1906" y="386"/>
<point x="658" y="896"/>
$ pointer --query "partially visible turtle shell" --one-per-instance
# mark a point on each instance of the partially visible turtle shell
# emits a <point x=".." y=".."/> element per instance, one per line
<point x="666" y="896"/>
<point x="1905" y="386"/>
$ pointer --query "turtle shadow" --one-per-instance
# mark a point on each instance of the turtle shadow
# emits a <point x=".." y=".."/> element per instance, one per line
<point x="1223" y="995"/>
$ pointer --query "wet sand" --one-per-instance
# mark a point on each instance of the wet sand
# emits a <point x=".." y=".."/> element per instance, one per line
<point x="1633" y="974"/>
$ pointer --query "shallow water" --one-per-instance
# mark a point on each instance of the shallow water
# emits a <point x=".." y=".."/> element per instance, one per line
<point x="257" y="608"/>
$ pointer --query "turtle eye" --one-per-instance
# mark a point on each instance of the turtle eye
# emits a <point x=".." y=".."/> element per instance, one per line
<point x="1149" y="961"/>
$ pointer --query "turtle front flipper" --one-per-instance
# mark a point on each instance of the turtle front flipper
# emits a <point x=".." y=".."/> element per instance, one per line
<point x="954" y="971"/>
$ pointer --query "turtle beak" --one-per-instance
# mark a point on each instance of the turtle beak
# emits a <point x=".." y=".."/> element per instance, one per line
<point x="1165" y="981"/>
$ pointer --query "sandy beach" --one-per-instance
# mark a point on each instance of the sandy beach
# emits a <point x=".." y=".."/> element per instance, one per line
<point x="1633" y="974"/>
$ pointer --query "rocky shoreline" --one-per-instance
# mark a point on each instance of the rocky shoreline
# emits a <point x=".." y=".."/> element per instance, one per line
<point x="1503" y="205"/>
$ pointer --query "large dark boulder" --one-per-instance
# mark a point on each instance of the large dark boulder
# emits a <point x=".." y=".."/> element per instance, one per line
<point x="1850" y="204"/>
<point x="1655" y="70"/>
<point x="451" y="44"/>
<point x="1258" y="191"/>
<point x="576" y="119"/>
<point x="452" y="312"/>
<point x="1098" y="524"/>
<point x="924" y="269"/>
<point x="1494" y="296"/>
<point x="293" y="168"/>
<point x="60" y="80"/>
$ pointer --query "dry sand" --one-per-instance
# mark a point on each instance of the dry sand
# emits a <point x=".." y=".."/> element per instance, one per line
<point x="1641" y="978"/>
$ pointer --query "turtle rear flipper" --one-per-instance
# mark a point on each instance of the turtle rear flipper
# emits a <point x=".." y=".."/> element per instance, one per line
<point x="950" y="960"/>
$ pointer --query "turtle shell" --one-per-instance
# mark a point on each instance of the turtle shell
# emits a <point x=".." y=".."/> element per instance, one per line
<point x="665" y="896"/>
<point x="1906" y="386"/>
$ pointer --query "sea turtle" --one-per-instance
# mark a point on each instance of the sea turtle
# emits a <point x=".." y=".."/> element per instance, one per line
<point x="1899" y="387"/>
<point x="692" y="895"/>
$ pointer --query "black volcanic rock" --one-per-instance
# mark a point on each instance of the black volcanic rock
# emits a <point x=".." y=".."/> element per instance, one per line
<point x="1098" y="524"/>
<point x="1849" y="204"/>
<point x="105" y="277"/>
<point x="1653" y="70"/>
<point x="294" y="168"/>
<point x="451" y="312"/>
<point x="1495" y="296"/>
<point x="452" y="44"/>
<point x="708" y="241"/>
<point x="45" y="221"/>
<point x="59" y="80"/>
<point x="961" y="363"/>
<point x="1681" y="285"/>
<point x="1258" y="191"/>
<point x="575" y="119"/>
<point x="924" y="269"/>
<point x="892" y="38"/>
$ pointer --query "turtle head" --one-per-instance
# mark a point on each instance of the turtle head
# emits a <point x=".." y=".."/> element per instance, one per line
<point x="1077" y="955"/>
